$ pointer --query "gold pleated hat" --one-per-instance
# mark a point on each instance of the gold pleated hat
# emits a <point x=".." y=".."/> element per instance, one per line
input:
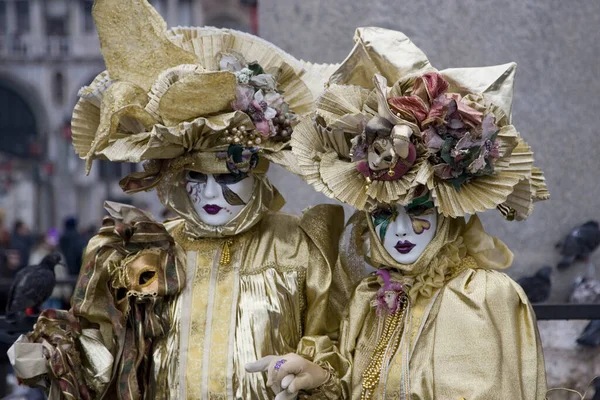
<point x="201" y="98"/>
<point x="448" y="133"/>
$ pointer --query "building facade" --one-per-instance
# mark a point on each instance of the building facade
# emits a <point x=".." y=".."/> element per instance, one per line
<point x="49" y="50"/>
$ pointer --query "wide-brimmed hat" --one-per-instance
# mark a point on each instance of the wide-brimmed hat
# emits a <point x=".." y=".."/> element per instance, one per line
<point x="390" y="127"/>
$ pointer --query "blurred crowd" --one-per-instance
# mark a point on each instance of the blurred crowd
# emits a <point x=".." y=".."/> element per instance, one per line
<point x="21" y="246"/>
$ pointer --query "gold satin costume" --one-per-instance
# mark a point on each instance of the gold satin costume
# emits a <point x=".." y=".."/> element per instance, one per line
<point x="273" y="297"/>
<point x="469" y="331"/>
<point x="461" y="329"/>
<point x="264" y="283"/>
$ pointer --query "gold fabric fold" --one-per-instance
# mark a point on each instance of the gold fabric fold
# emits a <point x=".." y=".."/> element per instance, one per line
<point x="197" y="94"/>
<point x="481" y="324"/>
<point x="323" y="351"/>
<point x="380" y="51"/>
<point x="133" y="53"/>
<point x="495" y="83"/>
<point x="168" y="142"/>
<point x="121" y="101"/>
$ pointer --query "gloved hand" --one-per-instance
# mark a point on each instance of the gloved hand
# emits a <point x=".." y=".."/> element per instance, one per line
<point x="289" y="374"/>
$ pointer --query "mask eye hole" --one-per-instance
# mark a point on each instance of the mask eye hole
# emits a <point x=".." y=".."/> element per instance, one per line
<point x="147" y="277"/>
<point x="377" y="149"/>
<point x="196" y="176"/>
<point x="387" y="158"/>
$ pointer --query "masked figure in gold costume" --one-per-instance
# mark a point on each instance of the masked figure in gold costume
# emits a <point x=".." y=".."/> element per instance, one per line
<point x="437" y="319"/>
<point x="233" y="280"/>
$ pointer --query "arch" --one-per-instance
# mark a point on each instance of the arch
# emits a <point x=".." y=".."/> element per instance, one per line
<point x="31" y="96"/>
<point x="26" y="119"/>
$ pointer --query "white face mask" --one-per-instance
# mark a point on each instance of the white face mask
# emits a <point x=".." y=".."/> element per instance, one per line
<point x="407" y="236"/>
<point x="218" y="198"/>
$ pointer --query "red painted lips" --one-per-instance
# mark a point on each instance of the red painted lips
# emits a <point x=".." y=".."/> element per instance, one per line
<point x="404" y="247"/>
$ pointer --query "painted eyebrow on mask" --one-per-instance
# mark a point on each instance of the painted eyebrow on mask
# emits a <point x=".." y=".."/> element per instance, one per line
<point x="229" y="179"/>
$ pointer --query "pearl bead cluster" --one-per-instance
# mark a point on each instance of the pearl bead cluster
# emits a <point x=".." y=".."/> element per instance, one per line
<point x="389" y="340"/>
<point x="243" y="136"/>
<point x="283" y="125"/>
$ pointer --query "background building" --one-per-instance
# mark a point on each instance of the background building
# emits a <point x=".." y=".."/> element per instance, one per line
<point x="49" y="50"/>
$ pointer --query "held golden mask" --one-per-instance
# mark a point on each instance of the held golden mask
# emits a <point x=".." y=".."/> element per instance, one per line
<point x="140" y="275"/>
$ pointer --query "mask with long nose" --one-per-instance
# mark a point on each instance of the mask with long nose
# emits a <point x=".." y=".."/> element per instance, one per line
<point x="218" y="198"/>
<point x="404" y="235"/>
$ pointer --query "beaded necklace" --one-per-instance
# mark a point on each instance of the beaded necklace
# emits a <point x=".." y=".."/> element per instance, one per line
<point x="388" y="344"/>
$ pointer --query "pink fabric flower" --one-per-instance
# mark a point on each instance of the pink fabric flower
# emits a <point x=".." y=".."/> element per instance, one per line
<point x="263" y="127"/>
<point x="429" y="104"/>
<point x="243" y="97"/>
<point x="432" y="140"/>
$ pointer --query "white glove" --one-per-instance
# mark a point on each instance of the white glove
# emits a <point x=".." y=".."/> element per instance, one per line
<point x="289" y="374"/>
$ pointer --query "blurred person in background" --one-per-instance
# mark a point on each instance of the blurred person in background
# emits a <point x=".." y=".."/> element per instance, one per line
<point x="89" y="233"/>
<point x="62" y="292"/>
<point x="21" y="242"/>
<point x="4" y="247"/>
<point x="9" y="262"/>
<point x="4" y="233"/>
<point x="72" y="244"/>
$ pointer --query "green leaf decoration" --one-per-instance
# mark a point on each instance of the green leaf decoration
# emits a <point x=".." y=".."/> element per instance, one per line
<point x="256" y="68"/>
<point x="383" y="229"/>
<point x="459" y="180"/>
<point x="235" y="151"/>
<point x="420" y="204"/>
<point x="383" y="217"/>
<point x="445" y="152"/>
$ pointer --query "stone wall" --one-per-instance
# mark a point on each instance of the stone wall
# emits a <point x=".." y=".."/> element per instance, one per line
<point x="556" y="104"/>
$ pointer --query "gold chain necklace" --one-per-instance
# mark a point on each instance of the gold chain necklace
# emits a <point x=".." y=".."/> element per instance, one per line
<point x="372" y="374"/>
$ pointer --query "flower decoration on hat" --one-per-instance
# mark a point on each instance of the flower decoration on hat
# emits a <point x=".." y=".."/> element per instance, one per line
<point x="446" y="131"/>
<point x="215" y="100"/>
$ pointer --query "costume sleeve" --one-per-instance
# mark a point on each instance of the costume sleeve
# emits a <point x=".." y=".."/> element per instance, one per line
<point x="486" y="343"/>
<point x="58" y="355"/>
<point x="328" y="288"/>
